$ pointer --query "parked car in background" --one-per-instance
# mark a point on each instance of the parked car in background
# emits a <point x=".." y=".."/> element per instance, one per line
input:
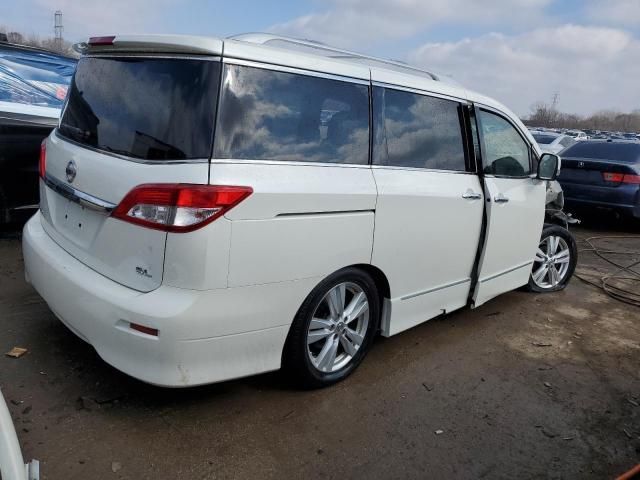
<point x="550" y="142"/>
<point x="577" y="134"/>
<point x="190" y="247"/>
<point x="33" y="85"/>
<point x="603" y="174"/>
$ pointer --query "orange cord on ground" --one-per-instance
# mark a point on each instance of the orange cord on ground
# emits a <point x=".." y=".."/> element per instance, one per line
<point x="634" y="472"/>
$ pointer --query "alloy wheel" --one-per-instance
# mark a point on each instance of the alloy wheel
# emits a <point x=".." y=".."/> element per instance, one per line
<point x="338" y="327"/>
<point x="551" y="263"/>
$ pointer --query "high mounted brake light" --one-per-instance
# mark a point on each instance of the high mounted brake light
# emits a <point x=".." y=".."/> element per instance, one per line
<point x="97" y="41"/>
<point x="178" y="207"/>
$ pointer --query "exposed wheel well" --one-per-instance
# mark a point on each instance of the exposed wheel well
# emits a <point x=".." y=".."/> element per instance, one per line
<point x="380" y="279"/>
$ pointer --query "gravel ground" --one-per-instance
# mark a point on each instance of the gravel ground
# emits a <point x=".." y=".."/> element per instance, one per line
<point x="527" y="386"/>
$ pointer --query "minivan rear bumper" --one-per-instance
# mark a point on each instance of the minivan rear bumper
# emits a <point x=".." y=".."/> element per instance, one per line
<point x="203" y="336"/>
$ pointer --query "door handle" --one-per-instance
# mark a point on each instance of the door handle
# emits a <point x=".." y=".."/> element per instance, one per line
<point x="470" y="194"/>
<point x="500" y="198"/>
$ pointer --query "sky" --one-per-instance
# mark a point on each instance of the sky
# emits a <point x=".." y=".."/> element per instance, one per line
<point x="517" y="51"/>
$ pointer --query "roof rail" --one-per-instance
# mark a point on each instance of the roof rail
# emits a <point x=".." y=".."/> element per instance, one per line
<point x="323" y="50"/>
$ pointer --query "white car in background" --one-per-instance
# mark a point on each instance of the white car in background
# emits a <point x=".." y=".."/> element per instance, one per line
<point x="212" y="209"/>
<point x="550" y="142"/>
<point x="579" y="135"/>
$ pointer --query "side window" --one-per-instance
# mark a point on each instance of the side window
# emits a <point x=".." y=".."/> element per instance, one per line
<point x="418" y="131"/>
<point x="270" y="115"/>
<point x="506" y="152"/>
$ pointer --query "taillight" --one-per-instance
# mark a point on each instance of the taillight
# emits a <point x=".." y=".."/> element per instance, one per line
<point x="42" y="163"/>
<point x="621" y="178"/>
<point x="97" y="41"/>
<point x="178" y="207"/>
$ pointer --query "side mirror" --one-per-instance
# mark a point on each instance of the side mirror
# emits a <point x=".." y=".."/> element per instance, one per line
<point x="548" y="167"/>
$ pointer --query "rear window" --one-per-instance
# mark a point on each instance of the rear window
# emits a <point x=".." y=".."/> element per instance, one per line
<point x="544" y="139"/>
<point x="624" y="152"/>
<point x="155" y="109"/>
<point x="271" y="115"/>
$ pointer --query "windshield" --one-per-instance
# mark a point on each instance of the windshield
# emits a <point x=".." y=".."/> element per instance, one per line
<point x="143" y="107"/>
<point x="544" y="139"/>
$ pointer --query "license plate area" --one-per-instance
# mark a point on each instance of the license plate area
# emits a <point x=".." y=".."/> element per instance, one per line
<point x="78" y="223"/>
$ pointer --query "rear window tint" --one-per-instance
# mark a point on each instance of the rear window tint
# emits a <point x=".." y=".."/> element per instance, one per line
<point x="624" y="152"/>
<point x="270" y="115"/>
<point x="417" y="131"/>
<point x="148" y="108"/>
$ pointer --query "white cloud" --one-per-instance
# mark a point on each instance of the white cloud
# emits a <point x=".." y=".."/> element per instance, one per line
<point x="616" y="12"/>
<point x="590" y="68"/>
<point x="349" y="23"/>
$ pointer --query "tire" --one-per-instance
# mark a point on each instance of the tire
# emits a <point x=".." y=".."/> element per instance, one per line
<point x="338" y="344"/>
<point x="557" y="252"/>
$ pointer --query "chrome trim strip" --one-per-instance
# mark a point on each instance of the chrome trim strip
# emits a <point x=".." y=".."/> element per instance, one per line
<point x="418" y="169"/>
<point x="435" y="289"/>
<point x="296" y="70"/>
<point x="128" y="159"/>
<point x="289" y="162"/>
<point x="334" y="212"/>
<point x="420" y="91"/>
<point x="33" y="206"/>
<point x="492" y="277"/>
<point x="77" y="196"/>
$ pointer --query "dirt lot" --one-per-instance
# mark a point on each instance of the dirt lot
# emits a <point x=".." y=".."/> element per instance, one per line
<point x="527" y="386"/>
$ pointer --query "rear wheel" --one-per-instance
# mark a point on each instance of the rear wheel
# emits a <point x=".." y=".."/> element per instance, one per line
<point x="555" y="260"/>
<point x="333" y="329"/>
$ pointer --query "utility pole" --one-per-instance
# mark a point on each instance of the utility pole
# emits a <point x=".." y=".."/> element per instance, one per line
<point x="554" y="112"/>
<point x="57" y="27"/>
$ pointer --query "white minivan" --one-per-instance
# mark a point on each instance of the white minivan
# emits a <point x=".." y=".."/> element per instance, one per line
<point x="212" y="209"/>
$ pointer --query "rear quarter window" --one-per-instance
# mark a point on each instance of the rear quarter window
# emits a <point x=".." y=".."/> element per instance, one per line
<point x="281" y="116"/>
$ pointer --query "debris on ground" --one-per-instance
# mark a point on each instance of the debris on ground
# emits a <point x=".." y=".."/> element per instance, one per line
<point x="547" y="384"/>
<point x="439" y="432"/>
<point x="16" y="352"/>
<point x="541" y="344"/>
<point x="115" y="466"/>
<point x="84" y="403"/>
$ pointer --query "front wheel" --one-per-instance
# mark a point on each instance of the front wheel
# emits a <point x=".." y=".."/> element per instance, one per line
<point x="333" y="329"/>
<point x="555" y="260"/>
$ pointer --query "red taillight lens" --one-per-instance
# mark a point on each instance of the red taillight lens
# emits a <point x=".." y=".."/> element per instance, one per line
<point x="621" y="178"/>
<point x="42" y="163"/>
<point x="178" y="207"/>
<point x="635" y="179"/>
<point x="96" y="41"/>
